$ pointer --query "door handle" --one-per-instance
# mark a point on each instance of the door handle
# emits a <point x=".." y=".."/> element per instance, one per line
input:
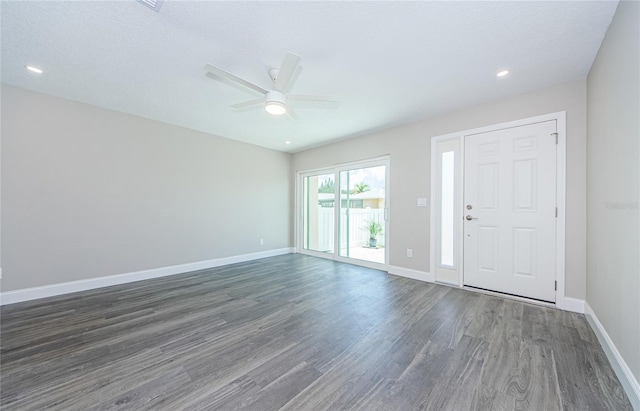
<point x="471" y="218"/>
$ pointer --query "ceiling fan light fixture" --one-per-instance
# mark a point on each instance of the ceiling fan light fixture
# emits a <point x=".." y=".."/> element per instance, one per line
<point x="275" y="100"/>
<point x="275" y="103"/>
<point x="275" y="107"/>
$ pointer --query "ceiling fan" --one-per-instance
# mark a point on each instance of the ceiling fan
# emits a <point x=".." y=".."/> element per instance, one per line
<point x="275" y="100"/>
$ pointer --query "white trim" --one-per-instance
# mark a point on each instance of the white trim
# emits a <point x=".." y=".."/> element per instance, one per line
<point x="448" y="283"/>
<point x="622" y="370"/>
<point x="355" y="261"/>
<point x="27" y="294"/>
<point x="348" y="165"/>
<point x="562" y="302"/>
<point x="432" y="204"/>
<point x="296" y="214"/>
<point x="571" y="304"/>
<point x="502" y="126"/>
<point x="410" y="273"/>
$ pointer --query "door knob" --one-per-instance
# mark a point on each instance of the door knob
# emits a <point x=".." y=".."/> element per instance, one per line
<point x="471" y="218"/>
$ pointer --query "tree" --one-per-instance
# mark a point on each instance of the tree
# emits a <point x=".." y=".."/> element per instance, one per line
<point x="360" y="188"/>
<point x="327" y="186"/>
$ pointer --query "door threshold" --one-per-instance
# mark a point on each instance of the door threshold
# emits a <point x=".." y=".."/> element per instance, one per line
<point x="510" y="296"/>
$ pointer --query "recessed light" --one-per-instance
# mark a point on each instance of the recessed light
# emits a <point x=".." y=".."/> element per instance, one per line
<point x="34" y="69"/>
<point x="287" y="142"/>
<point x="502" y="73"/>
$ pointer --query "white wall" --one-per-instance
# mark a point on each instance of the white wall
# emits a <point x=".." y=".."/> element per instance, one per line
<point x="409" y="148"/>
<point x="613" y="264"/>
<point x="88" y="192"/>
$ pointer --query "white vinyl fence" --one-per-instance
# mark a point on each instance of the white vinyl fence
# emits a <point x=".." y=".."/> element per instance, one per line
<point x="357" y="219"/>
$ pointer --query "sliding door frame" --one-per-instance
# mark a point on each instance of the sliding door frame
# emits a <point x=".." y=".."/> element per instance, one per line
<point x="300" y="204"/>
<point x="336" y="170"/>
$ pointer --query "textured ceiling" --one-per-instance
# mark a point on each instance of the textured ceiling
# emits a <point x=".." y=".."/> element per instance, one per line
<point x="390" y="62"/>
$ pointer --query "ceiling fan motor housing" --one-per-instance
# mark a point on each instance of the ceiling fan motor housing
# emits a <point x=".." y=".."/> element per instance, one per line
<point x="275" y="102"/>
<point x="274" y="96"/>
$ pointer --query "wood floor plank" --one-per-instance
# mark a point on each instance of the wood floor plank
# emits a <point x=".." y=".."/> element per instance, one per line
<point x="573" y="364"/>
<point x="606" y="380"/>
<point x="500" y="368"/>
<point x="534" y="386"/>
<point x="414" y="385"/>
<point x="457" y="385"/>
<point x="298" y="333"/>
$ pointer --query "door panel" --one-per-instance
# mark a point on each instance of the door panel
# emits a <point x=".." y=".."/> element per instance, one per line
<point x="524" y="185"/>
<point x="487" y="249"/>
<point x="318" y="212"/>
<point x="363" y="204"/>
<point x="524" y="251"/>
<point x="509" y="197"/>
<point x="488" y="187"/>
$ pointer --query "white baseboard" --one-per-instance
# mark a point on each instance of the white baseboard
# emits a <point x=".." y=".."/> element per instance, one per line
<point x="626" y="377"/>
<point x="571" y="304"/>
<point x="409" y="273"/>
<point x="27" y="294"/>
<point x="448" y="283"/>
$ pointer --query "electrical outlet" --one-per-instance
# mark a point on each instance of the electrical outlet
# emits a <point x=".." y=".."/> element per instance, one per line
<point x="409" y="252"/>
<point x="422" y="202"/>
<point x="262" y="241"/>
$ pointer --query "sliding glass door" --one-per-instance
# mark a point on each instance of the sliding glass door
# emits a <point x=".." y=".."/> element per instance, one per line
<point x="318" y="212"/>
<point x="362" y="213"/>
<point x="344" y="212"/>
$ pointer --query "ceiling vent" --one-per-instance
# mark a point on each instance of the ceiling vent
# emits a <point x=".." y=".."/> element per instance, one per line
<point x="152" y="4"/>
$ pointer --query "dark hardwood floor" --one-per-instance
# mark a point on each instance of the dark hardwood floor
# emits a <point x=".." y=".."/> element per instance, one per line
<point x="299" y="333"/>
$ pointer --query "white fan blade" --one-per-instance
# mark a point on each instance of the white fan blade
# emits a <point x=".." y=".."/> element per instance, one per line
<point x="218" y="72"/>
<point x="249" y="103"/>
<point x="311" y="97"/>
<point x="286" y="71"/>
<point x="291" y="113"/>
<point x="294" y="78"/>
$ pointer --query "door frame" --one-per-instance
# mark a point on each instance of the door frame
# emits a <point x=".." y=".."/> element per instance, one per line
<point x="336" y="169"/>
<point x="561" y="159"/>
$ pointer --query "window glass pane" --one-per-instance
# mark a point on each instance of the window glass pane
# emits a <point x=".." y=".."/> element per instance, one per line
<point x="318" y="213"/>
<point x="447" y="209"/>
<point x="362" y="213"/>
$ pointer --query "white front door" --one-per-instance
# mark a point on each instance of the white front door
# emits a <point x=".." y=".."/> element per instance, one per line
<point x="510" y="210"/>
